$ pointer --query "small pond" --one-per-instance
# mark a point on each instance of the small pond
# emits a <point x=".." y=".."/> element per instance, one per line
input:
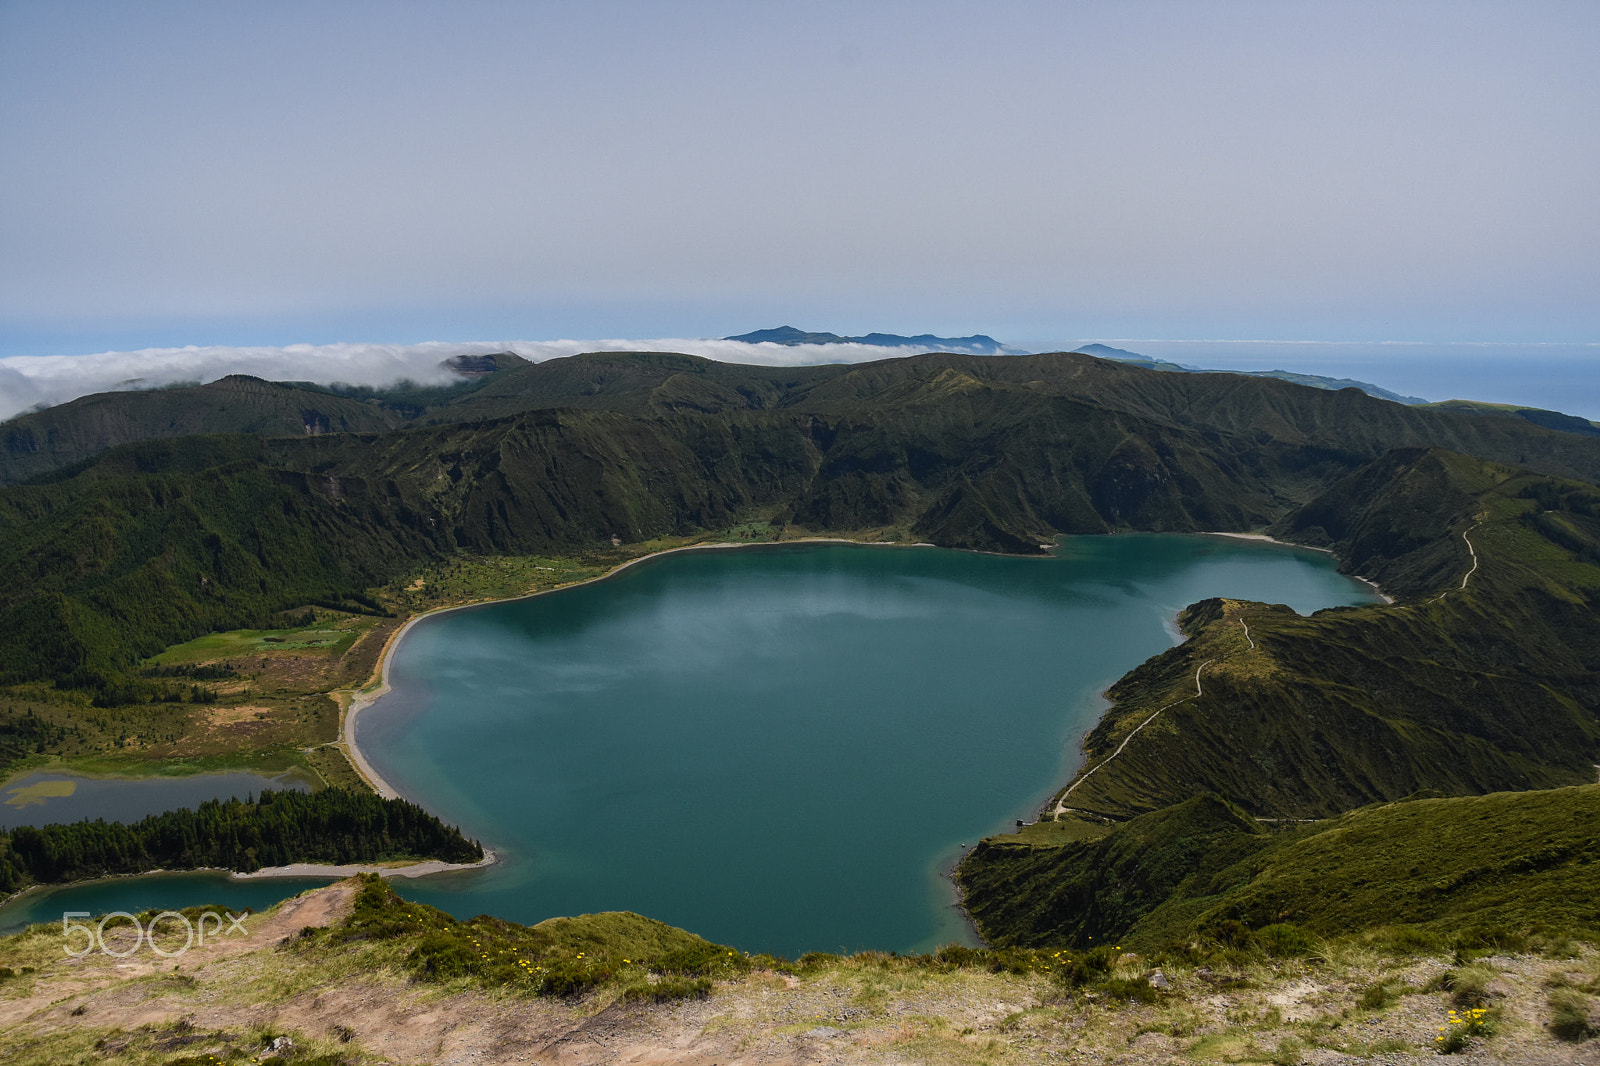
<point x="46" y="796"/>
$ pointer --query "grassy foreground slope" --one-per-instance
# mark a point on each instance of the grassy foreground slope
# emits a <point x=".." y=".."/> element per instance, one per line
<point x="350" y="975"/>
<point x="1484" y="678"/>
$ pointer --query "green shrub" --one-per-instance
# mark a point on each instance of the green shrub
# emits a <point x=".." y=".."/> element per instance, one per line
<point x="814" y="960"/>
<point x="1074" y="970"/>
<point x="1231" y="933"/>
<point x="1128" y="988"/>
<point x="1285" y="941"/>
<point x="571" y="977"/>
<point x="1378" y="995"/>
<point x="1493" y="939"/>
<point x="441" y="957"/>
<point x="1469" y="985"/>
<point x="1290" y="1052"/>
<point x="702" y="960"/>
<point x="1408" y="940"/>
<point x="1569" y="1015"/>
<point x="959" y="956"/>
<point x="669" y="988"/>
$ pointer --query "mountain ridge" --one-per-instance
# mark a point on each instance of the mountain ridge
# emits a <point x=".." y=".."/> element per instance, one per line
<point x="977" y="344"/>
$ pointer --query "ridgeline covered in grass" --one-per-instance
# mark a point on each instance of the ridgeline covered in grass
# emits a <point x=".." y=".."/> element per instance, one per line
<point x="1484" y="678"/>
<point x="333" y="825"/>
<point x="1499" y="867"/>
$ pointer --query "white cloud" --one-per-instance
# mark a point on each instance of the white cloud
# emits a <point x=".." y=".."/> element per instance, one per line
<point x="30" y="380"/>
<point x="17" y="392"/>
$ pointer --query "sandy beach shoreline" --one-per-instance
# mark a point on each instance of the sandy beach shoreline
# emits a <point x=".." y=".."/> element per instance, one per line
<point x="414" y="869"/>
<point x="1291" y="544"/>
<point x="362" y="699"/>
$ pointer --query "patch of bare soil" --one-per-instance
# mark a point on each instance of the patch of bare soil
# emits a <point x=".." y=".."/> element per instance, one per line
<point x="226" y="718"/>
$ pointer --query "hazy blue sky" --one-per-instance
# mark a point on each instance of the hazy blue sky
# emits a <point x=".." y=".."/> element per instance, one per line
<point x="218" y="173"/>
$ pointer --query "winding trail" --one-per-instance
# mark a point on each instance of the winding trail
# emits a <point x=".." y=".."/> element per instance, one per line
<point x="1473" y="569"/>
<point x="1061" y="807"/>
<point x="1474" y="551"/>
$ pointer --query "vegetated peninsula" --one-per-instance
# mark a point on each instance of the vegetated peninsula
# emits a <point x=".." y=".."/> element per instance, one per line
<point x="333" y="826"/>
<point x="1376" y="787"/>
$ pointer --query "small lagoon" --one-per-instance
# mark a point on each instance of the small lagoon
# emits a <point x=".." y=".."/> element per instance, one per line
<point x="49" y="796"/>
<point x="46" y="796"/>
<point x="165" y="891"/>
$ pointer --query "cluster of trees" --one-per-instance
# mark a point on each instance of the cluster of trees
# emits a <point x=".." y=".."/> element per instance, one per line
<point x="201" y="672"/>
<point x="334" y="825"/>
<point x="25" y="734"/>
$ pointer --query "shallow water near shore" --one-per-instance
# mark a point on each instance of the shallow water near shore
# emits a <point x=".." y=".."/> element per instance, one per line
<point x="163" y="891"/>
<point x="780" y="748"/>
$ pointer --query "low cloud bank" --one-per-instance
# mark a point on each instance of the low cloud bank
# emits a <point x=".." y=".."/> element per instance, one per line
<point x="31" y="381"/>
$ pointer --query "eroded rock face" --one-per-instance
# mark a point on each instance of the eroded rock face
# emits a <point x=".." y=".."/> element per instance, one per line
<point x="473" y="366"/>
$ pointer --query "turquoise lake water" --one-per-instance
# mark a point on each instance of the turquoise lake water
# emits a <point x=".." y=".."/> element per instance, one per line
<point x="779" y="748"/>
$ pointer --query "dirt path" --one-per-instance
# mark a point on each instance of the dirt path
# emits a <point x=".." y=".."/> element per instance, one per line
<point x="1467" y="576"/>
<point x="232" y="936"/>
<point x="1473" y="569"/>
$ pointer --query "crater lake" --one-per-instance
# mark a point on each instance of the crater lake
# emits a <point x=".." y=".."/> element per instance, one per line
<point x="785" y="748"/>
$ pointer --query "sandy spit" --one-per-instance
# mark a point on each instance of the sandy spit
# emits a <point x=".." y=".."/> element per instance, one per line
<point x="415" y="869"/>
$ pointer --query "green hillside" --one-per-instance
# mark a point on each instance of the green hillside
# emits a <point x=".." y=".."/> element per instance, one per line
<point x="38" y="443"/>
<point x="1488" y="867"/>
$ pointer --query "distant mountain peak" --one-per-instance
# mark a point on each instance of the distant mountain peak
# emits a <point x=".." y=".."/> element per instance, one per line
<point x="1316" y="381"/>
<point x="977" y="344"/>
<point x="1105" y="351"/>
